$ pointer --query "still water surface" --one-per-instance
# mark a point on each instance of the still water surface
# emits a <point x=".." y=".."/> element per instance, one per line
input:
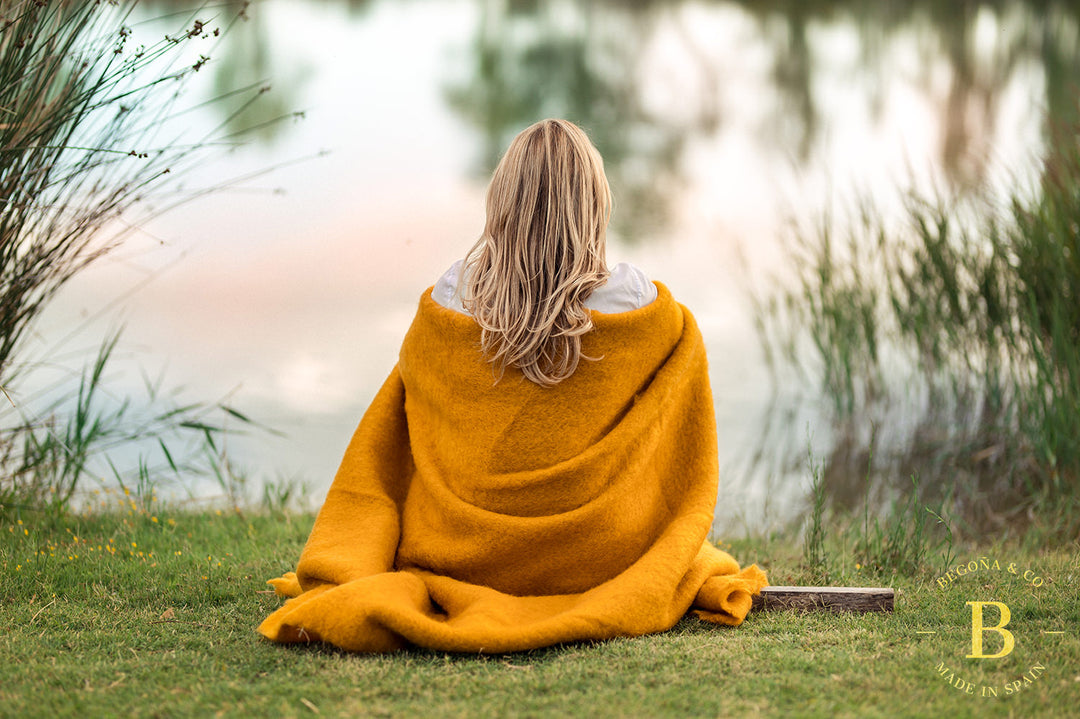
<point x="720" y="122"/>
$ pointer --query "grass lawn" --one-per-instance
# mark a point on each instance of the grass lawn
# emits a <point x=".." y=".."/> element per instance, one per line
<point x="138" y="615"/>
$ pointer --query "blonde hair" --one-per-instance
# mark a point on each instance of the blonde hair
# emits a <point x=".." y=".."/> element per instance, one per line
<point x="542" y="252"/>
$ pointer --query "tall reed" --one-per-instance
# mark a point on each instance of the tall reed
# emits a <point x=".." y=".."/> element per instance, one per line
<point x="87" y="139"/>
<point x="975" y="309"/>
<point x="94" y="140"/>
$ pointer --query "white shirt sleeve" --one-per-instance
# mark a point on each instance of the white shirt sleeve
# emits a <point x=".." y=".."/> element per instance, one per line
<point x="447" y="290"/>
<point x="626" y="289"/>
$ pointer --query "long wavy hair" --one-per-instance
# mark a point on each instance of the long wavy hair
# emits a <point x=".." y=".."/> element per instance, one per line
<point x="542" y="252"/>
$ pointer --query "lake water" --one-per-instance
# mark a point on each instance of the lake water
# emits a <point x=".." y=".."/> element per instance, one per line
<point x="720" y="122"/>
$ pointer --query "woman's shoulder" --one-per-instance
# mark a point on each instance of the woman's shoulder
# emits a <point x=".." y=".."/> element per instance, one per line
<point x="627" y="288"/>
<point x="447" y="290"/>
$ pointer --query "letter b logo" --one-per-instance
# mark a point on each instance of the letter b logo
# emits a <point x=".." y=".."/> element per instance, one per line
<point x="977" y="630"/>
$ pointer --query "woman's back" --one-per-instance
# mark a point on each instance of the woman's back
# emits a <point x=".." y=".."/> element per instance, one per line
<point x="574" y="482"/>
<point x="500" y="493"/>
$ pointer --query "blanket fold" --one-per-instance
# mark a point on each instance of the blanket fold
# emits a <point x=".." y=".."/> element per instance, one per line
<point x="473" y="515"/>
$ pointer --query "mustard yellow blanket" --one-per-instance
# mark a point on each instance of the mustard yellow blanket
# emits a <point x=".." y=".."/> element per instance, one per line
<point x="476" y="516"/>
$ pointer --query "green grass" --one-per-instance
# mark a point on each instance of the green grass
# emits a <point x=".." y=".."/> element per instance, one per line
<point x="163" y="624"/>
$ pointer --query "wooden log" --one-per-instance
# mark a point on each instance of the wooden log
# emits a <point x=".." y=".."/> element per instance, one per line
<point x="838" y="599"/>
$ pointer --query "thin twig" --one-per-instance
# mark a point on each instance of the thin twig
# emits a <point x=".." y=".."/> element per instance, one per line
<point x="36" y="614"/>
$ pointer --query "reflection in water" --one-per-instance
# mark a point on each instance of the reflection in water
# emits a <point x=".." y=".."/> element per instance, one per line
<point x="255" y="86"/>
<point x="248" y="63"/>
<point x="977" y="49"/>
<point x="587" y="61"/>
<point x="795" y="124"/>
<point x="581" y="61"/>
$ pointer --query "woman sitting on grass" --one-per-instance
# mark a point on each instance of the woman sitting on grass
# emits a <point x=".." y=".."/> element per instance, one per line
<point x="541" y="465"/>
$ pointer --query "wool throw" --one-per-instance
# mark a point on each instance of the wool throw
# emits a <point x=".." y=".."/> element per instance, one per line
<point x="474" y="513"/>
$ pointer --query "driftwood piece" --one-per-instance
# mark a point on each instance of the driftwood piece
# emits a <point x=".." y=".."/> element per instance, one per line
<point x="837" y="599"/>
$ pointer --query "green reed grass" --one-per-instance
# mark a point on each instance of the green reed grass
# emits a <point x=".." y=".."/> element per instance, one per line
<point x="814" y="554"/>
<point x="908" y="538"/>
<point x="975" y="308"/>
<point x="93" y="143"/>
<point x="88" y="139"/>
<point x="138" y="445"/>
